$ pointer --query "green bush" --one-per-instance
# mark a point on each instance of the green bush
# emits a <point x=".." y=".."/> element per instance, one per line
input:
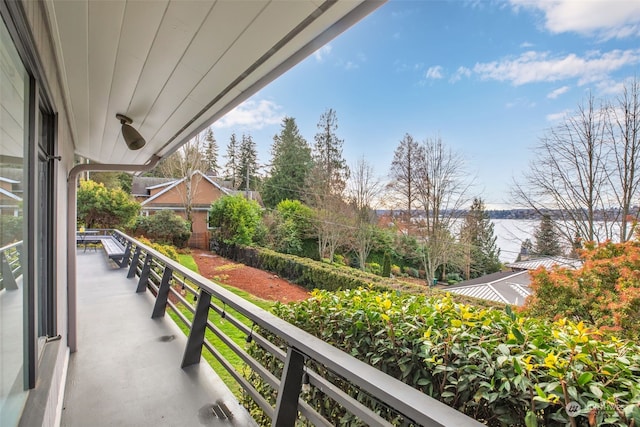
<point x="386" y="265"/>
<point x="374" y="268"/>
<point x="396" y="271"/>
<point x="166" y="250"/>
<point x="493" y="365"/>
<point x="236" y="219"/>
<point x="164" y="227"/>
<point x="100" y="207"/>
<point x="10" y="229"/>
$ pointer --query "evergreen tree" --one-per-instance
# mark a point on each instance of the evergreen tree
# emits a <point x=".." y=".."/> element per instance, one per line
<point x="211" y="153"/>
<point x="290" y="165"/>
<point x="526" y="250"/>
<point x="232" y="166"/>
<point x="482" y="255"/>
<point x="547" y="243"/>
<point x="330" y="173"/>
<point x="247" y="164"/>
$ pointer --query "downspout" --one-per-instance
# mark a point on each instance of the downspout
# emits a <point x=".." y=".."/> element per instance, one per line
<point x="72" y="192"/>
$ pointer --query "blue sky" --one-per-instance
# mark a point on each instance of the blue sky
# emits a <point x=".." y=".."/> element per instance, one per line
<point x="488" y="77"/>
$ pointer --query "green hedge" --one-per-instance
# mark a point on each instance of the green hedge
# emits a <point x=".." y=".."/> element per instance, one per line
<point x="309" y="273"/>
<point x="493" y="365"/>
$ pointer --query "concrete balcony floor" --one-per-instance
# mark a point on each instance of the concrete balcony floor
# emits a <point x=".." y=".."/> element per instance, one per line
<point x="126" y="371"/>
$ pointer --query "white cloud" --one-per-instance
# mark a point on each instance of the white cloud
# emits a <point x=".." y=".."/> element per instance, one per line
<point x="556" y="93"/>
<point x="532" y="67"/>
<point x="459" y="74"/>
<point x="350" y="65"/>
<point x="322" y="53"/>
<point x="526" y="45"/>
<point x="520" y="102"/>
<point x="434" y="73"/>
<point x="554" y="117"/>
<point x="251" y="115"/>
<point x="610" y="87"/>
<point x="603" y="18"/>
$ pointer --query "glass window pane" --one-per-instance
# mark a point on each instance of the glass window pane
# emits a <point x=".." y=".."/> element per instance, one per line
<point x="14" y="96"/>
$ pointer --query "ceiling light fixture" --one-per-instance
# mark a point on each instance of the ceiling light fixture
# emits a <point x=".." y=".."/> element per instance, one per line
<point x="132" y="137"/>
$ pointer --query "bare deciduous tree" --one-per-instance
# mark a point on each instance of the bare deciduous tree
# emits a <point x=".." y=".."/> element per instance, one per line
<point x="404" y="169"/>
<point x="183" y="164"/>
<point x="363" y="191"/>
<point x="623" y="131"/>
<point x="442" y="189"/>
<point x="569" y="176"/>
<point x="333" y="225"/>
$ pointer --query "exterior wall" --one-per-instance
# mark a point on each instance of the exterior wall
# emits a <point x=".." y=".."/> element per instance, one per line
<point x="205" y="193"/>
<point x="36" y="16"/>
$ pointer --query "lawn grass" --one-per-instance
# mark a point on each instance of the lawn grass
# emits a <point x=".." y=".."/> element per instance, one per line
<point x="228" y="329"/>
<point x="188" y="261"/>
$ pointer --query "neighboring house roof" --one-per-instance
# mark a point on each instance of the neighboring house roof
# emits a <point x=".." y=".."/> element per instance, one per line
<point x="141" y="184"/>
<point x="253" y="195"/>
<point x="546" y="262"/>
<point x="9" y="181"/>
<point x="9" y="194"/>
<point x="507" y="287"/>
<point x="178" y="182"/>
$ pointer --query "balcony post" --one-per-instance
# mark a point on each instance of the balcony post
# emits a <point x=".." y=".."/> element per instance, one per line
<point x="290" y="386"/>
<point x="163" y="294"/>
<point x="144" y="274"/>
<point x="8" y="281"/>
<point x="134" y="263"/>
<point x="193" y="351"/>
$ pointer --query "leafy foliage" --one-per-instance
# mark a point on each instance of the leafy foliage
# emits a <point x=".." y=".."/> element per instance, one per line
<point x="493" y="365"/>
<point x="165" y="249"/>
<point x="546" y="236"/>
<point x="10" y="229"/>
<point x="237" y="219"/>
<point x="482" y="254"/>
<point x="247" y="163"/>
<point x="291" y="224"/>
<point x="290" y="165"/>
<point x="330" y="173"/>
<point x="164" y="227"/>
<point x="100" y="207"/>
<point x="605" y="292"/>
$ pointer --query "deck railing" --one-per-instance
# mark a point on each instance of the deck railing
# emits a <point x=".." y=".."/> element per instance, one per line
<point x="173" y="284"/>
<point x="10" y="265"/>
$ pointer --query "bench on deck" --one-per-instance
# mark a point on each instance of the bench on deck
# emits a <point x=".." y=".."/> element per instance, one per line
<point x="116" y="250"/>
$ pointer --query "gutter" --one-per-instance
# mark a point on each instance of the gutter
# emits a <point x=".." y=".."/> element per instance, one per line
<point x="72" y="206"/>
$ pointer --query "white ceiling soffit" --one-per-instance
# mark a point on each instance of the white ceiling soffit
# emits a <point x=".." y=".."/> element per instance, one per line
<point x="176" y="66"/>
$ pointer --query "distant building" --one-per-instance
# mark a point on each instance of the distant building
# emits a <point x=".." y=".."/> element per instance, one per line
<point x="155" y="194"/>
<point x="10" y="202"/>
<point x="510" y="287"/>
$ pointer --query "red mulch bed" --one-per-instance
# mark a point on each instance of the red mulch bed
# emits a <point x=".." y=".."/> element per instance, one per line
<point x="257" y="282"/>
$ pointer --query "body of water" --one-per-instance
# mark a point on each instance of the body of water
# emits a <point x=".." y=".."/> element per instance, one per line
<point x="511" y="233"/>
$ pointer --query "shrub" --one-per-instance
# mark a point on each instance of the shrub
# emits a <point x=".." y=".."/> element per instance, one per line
<point x="604" y="292"/>
<point x="395" y="270"/>
<point x="493" y="365"/>
<point x="100" y="207"/>
<point x="10" y="229"/>
<point x="236" y="218"/>
<point x="386" y="265"/>
<point x="374" y="268"/>
<point x="164" y="227"/>
<point x="166" y="250"/>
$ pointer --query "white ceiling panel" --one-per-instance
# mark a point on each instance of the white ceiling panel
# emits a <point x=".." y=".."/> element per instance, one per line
<point x="174" y="66"/>
<point x="106" y="19"/>
<point x="134" y="45"/>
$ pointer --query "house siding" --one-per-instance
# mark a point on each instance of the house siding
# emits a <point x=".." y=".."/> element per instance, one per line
<point x="205" y="193"/>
